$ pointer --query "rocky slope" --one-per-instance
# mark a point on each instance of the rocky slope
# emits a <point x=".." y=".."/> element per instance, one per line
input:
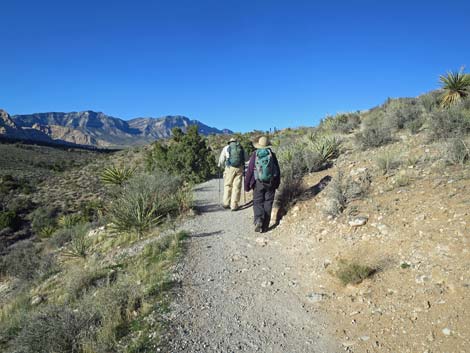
<point x="412" y="227"/>
<point x="98" y="129"/>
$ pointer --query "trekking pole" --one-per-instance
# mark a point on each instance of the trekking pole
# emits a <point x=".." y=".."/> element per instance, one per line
<point x="219" y="187"/>
<point x="243" y="185"/>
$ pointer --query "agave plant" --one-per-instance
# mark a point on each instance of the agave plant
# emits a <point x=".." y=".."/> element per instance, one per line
<point x="456" y="86"/>
<point x="116" y="176"/>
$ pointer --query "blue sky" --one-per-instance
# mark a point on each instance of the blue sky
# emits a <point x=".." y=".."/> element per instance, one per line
<point x="241" y="64"/>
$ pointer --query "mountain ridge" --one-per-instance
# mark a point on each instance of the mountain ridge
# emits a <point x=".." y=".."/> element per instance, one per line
<point x="98" y="129"/>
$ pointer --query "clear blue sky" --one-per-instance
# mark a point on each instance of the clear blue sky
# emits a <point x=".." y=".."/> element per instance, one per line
<point x="241" y="64"/>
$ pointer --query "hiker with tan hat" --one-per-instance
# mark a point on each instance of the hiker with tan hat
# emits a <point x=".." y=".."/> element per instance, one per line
<point x="263" y="176"/>
<point x="233" y="158"/>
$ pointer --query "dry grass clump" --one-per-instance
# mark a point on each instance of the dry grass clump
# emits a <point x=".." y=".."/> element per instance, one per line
<point x="353" y="272"/>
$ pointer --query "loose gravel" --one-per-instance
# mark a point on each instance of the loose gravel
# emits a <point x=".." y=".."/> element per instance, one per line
<point x="235" y="295"/>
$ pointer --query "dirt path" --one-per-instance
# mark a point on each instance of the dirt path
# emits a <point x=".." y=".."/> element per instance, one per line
<point x="237" y="293"/>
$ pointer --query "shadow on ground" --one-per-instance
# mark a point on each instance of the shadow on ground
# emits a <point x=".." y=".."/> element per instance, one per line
<point x="306" y="195"/>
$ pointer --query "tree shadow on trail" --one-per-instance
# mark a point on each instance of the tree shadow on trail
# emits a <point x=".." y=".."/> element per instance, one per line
<point x="207" y="234"/>
<point x="303" y="195"/>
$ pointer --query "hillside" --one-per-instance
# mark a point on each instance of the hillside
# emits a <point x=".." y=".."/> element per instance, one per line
<point x="97" y="129"/>
<point x="367" y="250"/>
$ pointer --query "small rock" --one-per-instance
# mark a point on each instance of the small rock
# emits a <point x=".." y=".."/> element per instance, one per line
<point x="358" y="221"/>
<point x="446" y="331"/>
<point x="36" y="300"/>
<point x="261" y="241"/>
<point x="364" y="338"/>
<point x="267" y="284"/>
<point x="316" y="297"/>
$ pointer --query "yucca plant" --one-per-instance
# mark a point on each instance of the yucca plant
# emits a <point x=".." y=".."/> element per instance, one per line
<point x="456" y="85"/>
<point x="327" y="147"/>
<point x="116" y="176"/>
<point x="69" y="220"/>
<point x="47" y="231"/>
<point x="80" y="245"/>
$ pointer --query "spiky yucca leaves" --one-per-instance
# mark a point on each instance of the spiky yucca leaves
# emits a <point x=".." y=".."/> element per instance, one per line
<point x="116" y="176"/>
<point x="144" y="201"/>
<point x="69" y="220"/>
<point x="456" y="85"/>
<point x="327" y="147"/>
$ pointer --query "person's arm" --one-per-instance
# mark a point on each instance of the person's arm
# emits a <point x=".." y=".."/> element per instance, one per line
<point x="223" y="157"/>
<point x="250" y="174"/>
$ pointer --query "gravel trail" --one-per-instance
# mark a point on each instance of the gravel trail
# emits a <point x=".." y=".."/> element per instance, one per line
<point x="236" y="294"/>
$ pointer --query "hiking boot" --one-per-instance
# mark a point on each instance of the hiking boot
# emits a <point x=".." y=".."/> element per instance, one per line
<point x="226" y="207"/>
<point x="235" y="209"/>
<point x="259" y="227"/>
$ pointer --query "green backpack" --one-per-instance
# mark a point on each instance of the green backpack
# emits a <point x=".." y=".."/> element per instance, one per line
<point x="265" y="170"/>
<point x="236" y="155"/>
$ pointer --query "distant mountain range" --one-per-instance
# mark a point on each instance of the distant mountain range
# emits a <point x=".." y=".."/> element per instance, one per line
<point x="96" y="129"/>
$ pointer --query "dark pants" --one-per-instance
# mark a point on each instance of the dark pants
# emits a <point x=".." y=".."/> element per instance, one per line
<point x="263" y="198"/>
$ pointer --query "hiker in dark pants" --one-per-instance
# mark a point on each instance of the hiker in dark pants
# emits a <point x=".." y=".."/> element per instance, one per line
<point x="263" y="176"/>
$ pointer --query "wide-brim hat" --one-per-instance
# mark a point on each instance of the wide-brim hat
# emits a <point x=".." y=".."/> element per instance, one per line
<point x="263" y="142"/>
<point x="233" y="139"/>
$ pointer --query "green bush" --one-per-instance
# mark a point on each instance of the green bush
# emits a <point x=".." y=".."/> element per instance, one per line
<point x="186" y="155"/>
<point x="42" y="217"/>
<point x="343" y="123"/>
<point x="353" y="272"/>
<point x="81" y="281"/>
<point x="144" y="201"/>
<point x="374" y="136"/>
<point x="401" y="113"/>
<point x="9" y="219"/>
<point x="450" y="123"/>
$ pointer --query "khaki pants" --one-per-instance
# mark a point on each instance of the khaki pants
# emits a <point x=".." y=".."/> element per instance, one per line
<point x="232" y="186"/>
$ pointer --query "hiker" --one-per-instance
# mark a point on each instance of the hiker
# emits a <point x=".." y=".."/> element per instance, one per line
<point x="263" y="176"/>
<point x="233" y="158"/>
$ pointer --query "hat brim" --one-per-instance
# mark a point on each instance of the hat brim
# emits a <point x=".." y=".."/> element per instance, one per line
<point x="257" y="145"/>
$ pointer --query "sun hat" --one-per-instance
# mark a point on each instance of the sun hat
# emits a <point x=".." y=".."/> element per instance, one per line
<point x="263" y="142"/>
<point x="233" y="139"/>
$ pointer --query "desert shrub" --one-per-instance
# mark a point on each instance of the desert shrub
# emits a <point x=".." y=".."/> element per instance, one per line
<point x="456" y="151"/>
<point x="353" y="272"/>
<point x="291" y="160"/>
<point x="92" y="210"/>
<point x="402" y="113"/>
<point x="342" y="123"/>
<point x="80" y="281"/>
<point x="289" y="190"/>
<point x="116" y="176"/>
<point x="57" y="329"/>
<point x="388" y="161"/>
<point x="117" y="305"/>
<point x="42" y="217"/>
<point x="186" y="155"/>
<point x="144" y="201"/>
<point x="374" y="136"/>
<point x="449" y="123"/>
<point x="9" y="219"/>
<point x="344" y="189"/>
<point x="26" y="261"/>
<point x="430" y="101"/>
<point x="79" y="244"/>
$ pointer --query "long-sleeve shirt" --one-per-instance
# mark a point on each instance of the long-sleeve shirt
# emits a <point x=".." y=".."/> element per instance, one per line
<point x="250" y="180"/>
<point x="224" y="156"/>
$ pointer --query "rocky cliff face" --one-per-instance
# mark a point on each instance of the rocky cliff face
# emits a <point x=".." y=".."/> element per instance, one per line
<point x="101" y="130"/>
<point x="157" y="128"/>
